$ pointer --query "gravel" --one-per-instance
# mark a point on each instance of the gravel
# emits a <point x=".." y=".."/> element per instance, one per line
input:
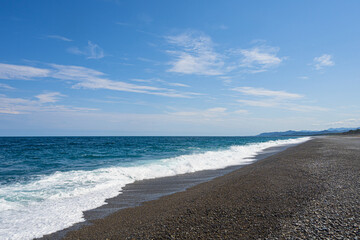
<point x="310" y="191"/>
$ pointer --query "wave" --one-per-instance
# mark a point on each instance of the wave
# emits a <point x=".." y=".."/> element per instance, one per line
<point x="57" y="201"/>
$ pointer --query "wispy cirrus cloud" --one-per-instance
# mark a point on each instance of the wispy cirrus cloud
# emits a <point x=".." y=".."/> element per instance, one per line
<point x="210" y="114"/>
<point x="91" y="51"/>
<point x="177" y="84"/>
<point x="49" y="97"/>
<point x="12" y="105"/>
<point x="267" y="93"/>
<point x="39" y="103"/>
<point x="273" y="103"/>
<point x="194" y="54"/>
<point x="92" y="79"/>
<point x="259" y="58"/>
<point x="345" y="122"/>
<point x="58" y="37"/>
<point x="5" y="86"/>
<point x="86" y="78"/>
<point x="157" y="80"/>
<point x="325" y="60"/>
<point x="305" y="108"/>
<point x="9" y="71"/>
<point x="275" y="99"/>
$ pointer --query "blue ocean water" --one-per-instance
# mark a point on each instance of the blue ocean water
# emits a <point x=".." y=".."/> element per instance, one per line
<point x="26" y="158"/>
<point x="47" y="182"/>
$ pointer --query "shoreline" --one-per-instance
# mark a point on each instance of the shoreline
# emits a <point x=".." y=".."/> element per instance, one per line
<point x="307" y="191"/>
<point x="137" y="193"/>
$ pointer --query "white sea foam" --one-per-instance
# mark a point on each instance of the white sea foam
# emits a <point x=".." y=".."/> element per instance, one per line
<point x="57" y="201"/>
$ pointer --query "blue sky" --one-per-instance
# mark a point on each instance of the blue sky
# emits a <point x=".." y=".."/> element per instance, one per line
<point x="103" y="67"/>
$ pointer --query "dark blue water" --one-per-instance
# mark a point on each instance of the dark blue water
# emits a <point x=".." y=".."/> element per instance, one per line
<point x="25" y="158"/>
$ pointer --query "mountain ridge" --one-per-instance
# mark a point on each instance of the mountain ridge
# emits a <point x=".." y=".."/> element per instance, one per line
<point x="305" y="132"/>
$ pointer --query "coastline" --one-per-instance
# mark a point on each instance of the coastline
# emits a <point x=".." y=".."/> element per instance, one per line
<point x="307" y="191"/>
<point x="140" y="192"/>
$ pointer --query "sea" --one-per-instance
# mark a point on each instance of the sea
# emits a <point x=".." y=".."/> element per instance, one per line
<point x="46" y="183"/>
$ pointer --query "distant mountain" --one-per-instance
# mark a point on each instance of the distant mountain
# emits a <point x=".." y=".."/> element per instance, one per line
<point x="305" y="132"/>
<point x="356" y="131"/>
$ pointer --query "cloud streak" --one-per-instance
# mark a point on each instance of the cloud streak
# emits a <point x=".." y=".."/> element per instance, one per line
<point x="195" y="55"/>
<point x="267" y="93"/>
<point x="40" y="103"/>
<point x="274" y="99"/>
<point x="91" y="51"/>
<point x="260" y="58"/>
<point x="5" y="86"/>
<point x="20" y="72"/>
<point x="324" y="60"/>
<point x="58" y="37"/>
<point x="271" y="103"/>
<point x="87" y="78"/>
<point x="50" y="97"/>
<point x="92" y="79"/>
<point x="345" y="122"/>
<point x="157" y="80"/>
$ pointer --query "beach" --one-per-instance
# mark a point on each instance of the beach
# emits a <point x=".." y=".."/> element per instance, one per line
<point x="308" y="191"/>
<point x="64" y="190"/>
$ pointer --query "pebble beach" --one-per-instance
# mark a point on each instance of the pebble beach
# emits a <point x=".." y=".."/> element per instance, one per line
<point x="310" y="191"/>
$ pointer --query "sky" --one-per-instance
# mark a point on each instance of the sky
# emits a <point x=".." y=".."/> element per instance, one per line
<point x="174" y="68"/>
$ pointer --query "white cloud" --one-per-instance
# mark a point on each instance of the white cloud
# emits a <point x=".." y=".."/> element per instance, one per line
<point x="142" y="80"/>
<point x="178" y="84"/>
<point x="5" y="86"/>
<point x="345" y="122"/>
<point x="95" y="51"/>
<point x="68" y="72"/>
<point x="40" y="103"/>
<point x="324" y="60"/>
<point x="8" y="71"/>
<point x="195" y="55"/>
<point x="260" y="58"/>
<point x="266" y="93"/>
<point x="210" y="114"/>
<point x="305" y="108"/>
<point x="50" y="97"/>
<point x="157" y="80"/>
<point x="275" y="99"/>
<point x="17" y="105"/>
<point x="83" y="77"/>
<point x="272" y="103"/>
<point x="91" y="51"/>
<point x="58" y="37"/>
<point x="92" y="79"/>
